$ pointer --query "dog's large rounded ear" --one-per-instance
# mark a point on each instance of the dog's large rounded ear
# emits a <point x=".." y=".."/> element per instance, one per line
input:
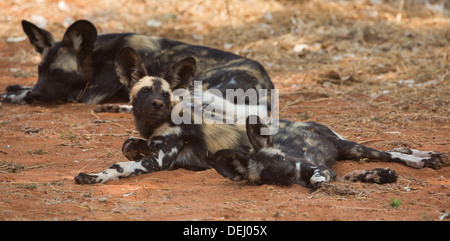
<point x="80" y="37"/>
<point x="231" y="164"/>
<point x="129" y="67"/>
<point x="181" y="75"/>
<point x="254" y="126"/>
<point x="39" y="38"/>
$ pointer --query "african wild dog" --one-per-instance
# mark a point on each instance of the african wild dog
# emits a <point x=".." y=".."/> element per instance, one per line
<point x="81" y="67"/>
<point x="166" y="145"/>
<point x="304" y="152"/>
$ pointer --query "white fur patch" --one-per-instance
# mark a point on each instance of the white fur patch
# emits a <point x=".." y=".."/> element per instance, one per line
<point x="320" y="176"/>
<point x="424" y="154"/>
<point x="317" y="179"/>
<point x="173" y="151"/>
<point x="218" y="108"/>
<point x="126" y="108"/>
<point x="410" y="160"/>
<point x="161" y="155"/>
<point x="112" y="174"/>
<point x="160" y="158"/>
<point x="17" y="99"/>
<point x="272" y="151"/>
<point x="339" y="136"/>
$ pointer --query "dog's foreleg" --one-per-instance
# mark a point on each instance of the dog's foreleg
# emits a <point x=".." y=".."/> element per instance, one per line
<point x="161" y="156"/>
<point x="114" y="108"/>
<point x="120" y="170"/>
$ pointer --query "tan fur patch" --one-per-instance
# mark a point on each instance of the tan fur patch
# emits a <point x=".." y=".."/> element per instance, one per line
<point x="65" y="61"/>
<point x="148" y="81"/>
<point x="77" y="40"/>
<point x="222" y="136"/>
<point x="140" y="42"/>
<point x="165" y="86"/>
<point x="166" y="130"/>
<point x="254" y="171"/>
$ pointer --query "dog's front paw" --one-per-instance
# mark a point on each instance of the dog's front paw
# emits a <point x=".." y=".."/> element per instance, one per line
<point x="381" y="175"/>
<point x="436" y="160"/>
<point x="86" y="179"/>
<point x="314" y="186"/>
<point x="113" y="108"/>
<point x="17" y="94"/>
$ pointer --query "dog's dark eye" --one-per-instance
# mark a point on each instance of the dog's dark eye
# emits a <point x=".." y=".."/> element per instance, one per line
<point x="146" y="90"/>
<point x="57" y="71"/>
<point x="279" y="158"/>
<point x="166" y="94"/>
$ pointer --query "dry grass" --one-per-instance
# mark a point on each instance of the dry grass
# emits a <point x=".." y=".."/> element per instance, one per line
<point x="9" y="167"/>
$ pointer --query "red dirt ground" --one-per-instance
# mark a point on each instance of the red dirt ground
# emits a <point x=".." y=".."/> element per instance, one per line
<point x="42" y="148"/>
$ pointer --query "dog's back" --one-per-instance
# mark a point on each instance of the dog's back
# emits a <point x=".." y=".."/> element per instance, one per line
<point x="217" y="69"/>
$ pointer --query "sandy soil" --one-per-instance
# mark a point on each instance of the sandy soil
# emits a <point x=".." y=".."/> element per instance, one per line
<point x="42" y="148"/>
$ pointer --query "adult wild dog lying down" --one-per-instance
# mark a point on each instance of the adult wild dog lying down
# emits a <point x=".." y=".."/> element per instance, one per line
<point x="304" y="152"/>
<point x="167" y="145"/>
<point x="301" y="153"/>
<point x="80" y="67"/>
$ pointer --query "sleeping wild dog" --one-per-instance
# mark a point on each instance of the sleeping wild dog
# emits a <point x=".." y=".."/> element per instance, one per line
<point x="304" y="152"/>
<point x="301" y="153"/>
<point x="80" y="67"/>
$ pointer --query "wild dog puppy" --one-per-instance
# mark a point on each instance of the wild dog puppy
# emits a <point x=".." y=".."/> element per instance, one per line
<point x="165" y="144"/>
<point x="80" y="67"/>
<point x="304" y="152"/>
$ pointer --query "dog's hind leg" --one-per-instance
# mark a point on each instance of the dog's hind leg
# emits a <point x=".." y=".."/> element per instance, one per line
<point x="418" y="159"/>
<point x="119" y="170"/>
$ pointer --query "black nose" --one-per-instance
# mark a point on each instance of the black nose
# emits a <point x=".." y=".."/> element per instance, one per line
<point x="157" y="104"/>
<point x="291" y="173"/>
